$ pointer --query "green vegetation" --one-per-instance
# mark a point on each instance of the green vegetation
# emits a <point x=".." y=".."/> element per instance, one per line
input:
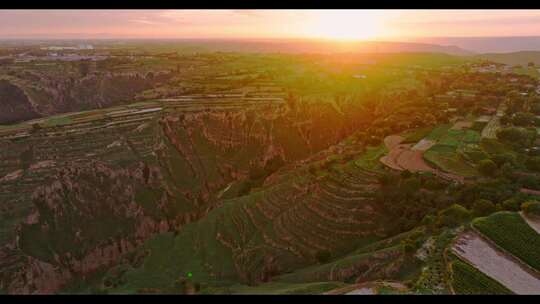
<point x="467" y="280"/>
<point x="531" y="208"/>
<point x="509" y="231"/>
<point x="454" y="215"/>
<point x="286" y="288"/>
<point x="445" y="154"/>
<point x="239" y="173"/>
<point x="417" y="134"/>
<point x="483" y="207"/>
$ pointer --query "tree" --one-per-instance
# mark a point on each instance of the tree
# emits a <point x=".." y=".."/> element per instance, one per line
<point x="535" y="108"/>
<point x="411" y="185"/>
<point x="523" y="119"/>
<point x="511" y="204"/>
<point x="26" y="157"/>
<point x="487" y="167"/>
<point x="84" y="68"/>
<point x="531" y="208"/>
<point x="323" y="256"/>
<point x="453" y="215"/>
<point x="409" y="246"/>
<point x="533" y="163"/>
<point x="36" y="127"/>
<point x="405" y="174"/>
<point x="503" y="158"/>
<point x="483" y="207"/>
<point x="511" y="134"/>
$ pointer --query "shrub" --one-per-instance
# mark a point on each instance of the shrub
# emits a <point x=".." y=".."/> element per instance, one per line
<point x="513" y="135"/>
<point x="405" y="174"/>
<point x="411" y="185"/>
<point x="487" y="167"/>
<point x="434" y="184"/>
<point x="409" y="246"/>
<point x="523" y="119"/>
<point x="533" y="163"/>
<point x="483" y="207"/>
<point x="453" y="215"/>
<point x="323" y="256"/>
<point x="503" y="158"/>
<point x="531" y="208"/>
<point x="512" y="204"/>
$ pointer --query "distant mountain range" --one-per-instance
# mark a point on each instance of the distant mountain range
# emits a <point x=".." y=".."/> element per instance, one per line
<point x="487" y="44"/>
<point x="515" y="58"/>
<point x="508" y="50"/>
<point x="326" y="46"/>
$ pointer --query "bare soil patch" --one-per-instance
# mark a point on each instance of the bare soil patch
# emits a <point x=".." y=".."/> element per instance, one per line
<point x="530" y="191"/>
<point x="362" y="291"/>
<point x="12" y="176"/>
<point x="423" y="145"/>
<point x="404" y="157"/>
<point x="393" y="141"/>
<point x="498" y="265"/>
<point x="460" y="125"/>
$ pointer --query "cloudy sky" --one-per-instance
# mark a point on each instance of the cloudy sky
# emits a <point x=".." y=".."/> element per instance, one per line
<point x="331" y="24"/>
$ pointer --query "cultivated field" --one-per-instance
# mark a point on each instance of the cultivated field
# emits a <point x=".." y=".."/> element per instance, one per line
<point x="495" y="264"/>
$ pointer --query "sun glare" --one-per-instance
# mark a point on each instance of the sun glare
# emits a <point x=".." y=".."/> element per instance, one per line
<point x="346" y="25"/>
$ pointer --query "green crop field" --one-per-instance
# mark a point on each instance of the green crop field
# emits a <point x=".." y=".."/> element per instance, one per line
<point x="416" y="135"/>
<point x="286" y="288"/>
<point x="468" y="280"/>
<point x="445" y="154"/>
<point x="447" y="158"/>
<point x="370" y="159"/>
<point x="509" y="231"/>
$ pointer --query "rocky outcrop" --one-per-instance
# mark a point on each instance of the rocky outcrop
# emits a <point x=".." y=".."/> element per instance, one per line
<point x="14" y="104"/>
<point x="98" y="206"/>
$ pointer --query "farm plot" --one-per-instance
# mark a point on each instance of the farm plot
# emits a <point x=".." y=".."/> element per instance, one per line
<point x="423" y="145"/>
<point x="444" y="154"/>
<point x="446" y="158"/>
<point x="405" y="157"/>
<point x="468" y="280"/>
<point x="510" y="232"/>
<point x="495" y="264"/>
<point x="462" y="124"/>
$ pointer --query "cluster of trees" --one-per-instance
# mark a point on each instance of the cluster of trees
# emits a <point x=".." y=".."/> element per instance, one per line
<point x="531" y="208"/>
<point x="517" y="137"/>
<point x="257" y="174"/>
<point x="409" y="197"/>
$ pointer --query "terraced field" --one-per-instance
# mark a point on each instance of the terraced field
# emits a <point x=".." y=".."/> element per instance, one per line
<point x="467" y="280"/>
<point x="410" y="156"/>
<point x="496" y="264"/>
<point x="510" y="232"/>
<point x="444" y="154"/>
<point x="276" y="230"/>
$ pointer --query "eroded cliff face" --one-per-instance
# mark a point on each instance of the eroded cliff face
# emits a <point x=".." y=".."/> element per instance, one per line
<point x="41" y="95"/>
<point x="128" y="184"/>
<point x="14" y="104"/>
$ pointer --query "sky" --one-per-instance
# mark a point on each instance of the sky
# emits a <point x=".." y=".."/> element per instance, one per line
<point x="238" y="24"/>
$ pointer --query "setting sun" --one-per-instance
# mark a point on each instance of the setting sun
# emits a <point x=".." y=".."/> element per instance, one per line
<point x="346" y="25"/>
